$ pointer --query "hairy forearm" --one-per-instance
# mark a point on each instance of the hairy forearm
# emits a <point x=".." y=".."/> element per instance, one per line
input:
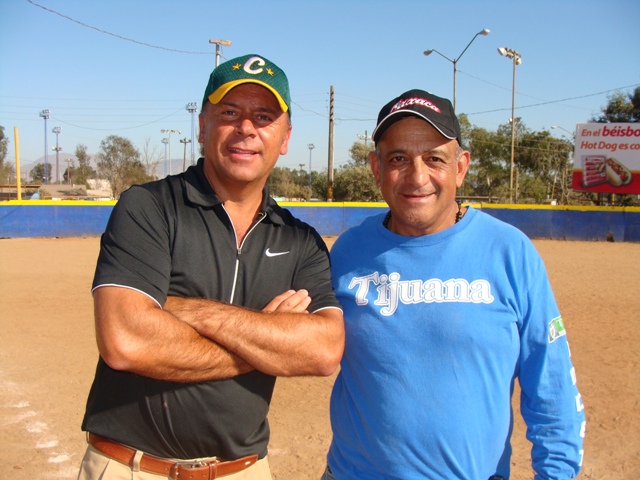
<point x="138" y="337"/>
<point x="280" y="341"/>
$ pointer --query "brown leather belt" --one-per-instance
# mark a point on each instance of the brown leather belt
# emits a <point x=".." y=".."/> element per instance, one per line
<point x="207" y="469"/>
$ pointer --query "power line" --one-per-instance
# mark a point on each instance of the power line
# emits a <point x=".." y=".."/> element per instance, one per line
<point x="555" y="101"/>
<point x="115" y="35"/>
<point x="119" y="129"/>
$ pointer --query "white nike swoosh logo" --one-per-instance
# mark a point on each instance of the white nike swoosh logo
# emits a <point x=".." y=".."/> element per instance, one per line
<point x="274" y="254"/>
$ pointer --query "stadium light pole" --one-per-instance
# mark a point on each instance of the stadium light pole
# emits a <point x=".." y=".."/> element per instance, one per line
<point x="517" y="60"/>
<point x="57" y="149"/>
<point x="184" y="140"/>
<point x="169" y="132"/>
<point x="191" y="108"/>
<point x="364" y="137"/>
<point x="166" y="142"/>
<point x="69" y="167"/>
<point x="483" y="32"/>
<point x="310" y="146"/>
<point x="224" y="43"/>
<point x="45" y="115"/>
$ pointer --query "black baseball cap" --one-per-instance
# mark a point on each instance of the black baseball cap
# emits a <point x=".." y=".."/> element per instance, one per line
<point x="418" y="103"/>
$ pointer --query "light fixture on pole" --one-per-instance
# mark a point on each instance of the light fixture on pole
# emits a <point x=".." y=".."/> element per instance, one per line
<point x="191" y="108"/>
<point x="364" y="137"/>
<point x="184" y="140"/>
<point x="169" y="132"/>
<point x="311" y="146"/>
<point x="483" y="32"/>
<point x="45" y="115"/>
<point x="224" y="43"/>
<point x="69" y="168"/>
<point x="166" y="142"/>
<point x="517" y="60"/>
<point x="573" y="134"/>
<point x="57" y="149"/>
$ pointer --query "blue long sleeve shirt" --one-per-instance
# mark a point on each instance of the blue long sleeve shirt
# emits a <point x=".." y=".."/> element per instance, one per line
<point x="439" y="328"/>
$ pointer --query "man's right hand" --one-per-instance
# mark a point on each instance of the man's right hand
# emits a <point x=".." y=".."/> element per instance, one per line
<point x="290" y="301"/>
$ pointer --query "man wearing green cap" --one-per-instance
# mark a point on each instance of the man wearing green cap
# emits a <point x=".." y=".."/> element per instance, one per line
<point x="205" y="291"/>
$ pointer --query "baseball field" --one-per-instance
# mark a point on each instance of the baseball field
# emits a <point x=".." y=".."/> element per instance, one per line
<point x="48" y="355"/>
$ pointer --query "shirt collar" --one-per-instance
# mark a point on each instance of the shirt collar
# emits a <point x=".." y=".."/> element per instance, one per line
<point x="199" y="191"/>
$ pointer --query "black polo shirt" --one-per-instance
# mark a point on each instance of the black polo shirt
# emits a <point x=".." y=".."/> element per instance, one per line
<point x="173" y="237"/>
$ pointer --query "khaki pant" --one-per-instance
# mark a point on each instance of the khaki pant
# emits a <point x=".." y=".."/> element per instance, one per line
<point x="96" y="466"/>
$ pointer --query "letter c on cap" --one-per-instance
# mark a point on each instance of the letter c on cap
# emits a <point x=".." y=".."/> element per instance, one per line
<point x="248" y="66"/>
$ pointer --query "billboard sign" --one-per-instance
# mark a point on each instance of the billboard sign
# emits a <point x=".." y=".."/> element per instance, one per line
<point x="607" y="158"/>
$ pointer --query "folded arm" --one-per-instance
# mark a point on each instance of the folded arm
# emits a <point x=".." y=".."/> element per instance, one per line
<point x="282" y="340"/>
<point x="134" y="334"/>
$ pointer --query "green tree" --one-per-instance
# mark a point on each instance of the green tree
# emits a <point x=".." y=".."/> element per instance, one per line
<point x="84" y="171"/>
<point x="38" y="174"/>
<point x="287" y="183"/>
<point x="621" y="107"/>
<point x="355" y="183"/>
<point x="489" y="170"/>
<point x="359" y="153"/>
<point x="119" y="163"/>
<point x="543" y="159"/>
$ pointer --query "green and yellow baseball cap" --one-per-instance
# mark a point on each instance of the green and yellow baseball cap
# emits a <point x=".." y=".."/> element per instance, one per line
<point x="248" y="69"/>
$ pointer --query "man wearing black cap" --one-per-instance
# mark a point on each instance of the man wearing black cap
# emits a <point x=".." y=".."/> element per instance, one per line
<point x="444" y="308"/>
<point x="206" y="290"/>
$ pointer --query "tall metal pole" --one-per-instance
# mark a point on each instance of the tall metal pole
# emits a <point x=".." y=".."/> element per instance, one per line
<point x="191" y="108"/>
<point x="57" y="148"/>
<point x="484" y="32"/>
<point x="330" y="168"/>
<point x="224" y="43"/>
<point x="513" y="130"/>
<point x="310" y="146"/>
<point x="166" y="142"/>
<point x="517" y="60"/>
<point x="69" y="167"/>
<point x="184" y="140"/>
<point x="169" y="132"/>
<point x="364" y="137"/>
<point x="18" y="174"/>
<point x="45" y="114"/>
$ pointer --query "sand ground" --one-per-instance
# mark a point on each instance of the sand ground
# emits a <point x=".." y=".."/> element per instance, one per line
<point x="48" y="355"/>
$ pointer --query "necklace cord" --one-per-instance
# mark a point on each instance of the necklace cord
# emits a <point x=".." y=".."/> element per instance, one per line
<point x="387" y="218"/>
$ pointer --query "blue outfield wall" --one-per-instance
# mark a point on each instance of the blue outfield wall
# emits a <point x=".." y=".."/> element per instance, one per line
<point x="50" y="218"/>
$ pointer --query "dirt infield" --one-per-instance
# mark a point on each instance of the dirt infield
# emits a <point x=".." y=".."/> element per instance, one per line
<point x="48" y="355"/>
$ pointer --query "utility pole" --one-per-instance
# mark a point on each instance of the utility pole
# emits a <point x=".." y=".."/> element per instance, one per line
<point x="331" y="126"/>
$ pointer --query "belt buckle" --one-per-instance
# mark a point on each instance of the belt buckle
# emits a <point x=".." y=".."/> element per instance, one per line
<point x="186" y="470"/>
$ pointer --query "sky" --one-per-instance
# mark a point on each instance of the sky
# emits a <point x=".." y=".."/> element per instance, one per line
<point x="129" y="68"/>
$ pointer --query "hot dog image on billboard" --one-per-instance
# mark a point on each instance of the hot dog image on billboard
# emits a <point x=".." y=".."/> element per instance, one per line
<point x="607" y="158"/>
<point x="617" y="173"/>
<point x="593" y="170"/>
